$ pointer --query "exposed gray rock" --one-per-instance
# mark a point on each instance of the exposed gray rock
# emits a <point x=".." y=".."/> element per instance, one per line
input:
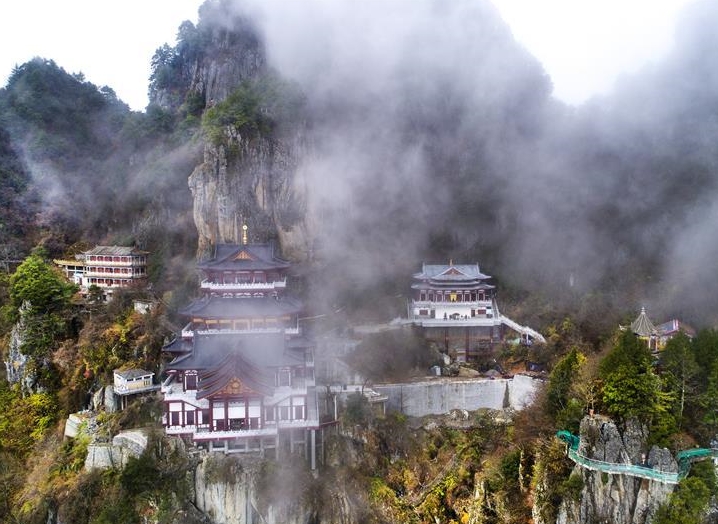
<point x="226" y="58"/>
<point x="250" y="178"/>
<point x="618" y="499"/>
<point x="662" y="459"/>
<point x="104" y="399"/>
<point x="116" y="455"/>
<point x="252" y="185"/>
<point x="16" y="363"/>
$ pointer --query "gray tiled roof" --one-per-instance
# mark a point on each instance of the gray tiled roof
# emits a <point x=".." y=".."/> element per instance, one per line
<point x="129" y="374"/>
<point x="235" y="365"/>
<point x="451" y="272"/>
<point x="114" y="251"/>
<point x="262" y="258"/>
<point x="262" y="350"/>
<point x="642" y="326"/>
<point x="218" y="307"/>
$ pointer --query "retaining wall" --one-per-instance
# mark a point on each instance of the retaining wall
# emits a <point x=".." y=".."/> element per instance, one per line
<point x="435" y="397"/>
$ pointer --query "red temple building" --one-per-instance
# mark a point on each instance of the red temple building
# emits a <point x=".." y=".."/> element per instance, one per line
<point x="456" y="306"/>
<point x="242" y="376"/>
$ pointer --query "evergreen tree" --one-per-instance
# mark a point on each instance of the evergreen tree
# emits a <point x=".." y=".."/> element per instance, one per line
<point x="632" y="389"/>
<point x="680" y="371"/>
<point x="41" y="285"/>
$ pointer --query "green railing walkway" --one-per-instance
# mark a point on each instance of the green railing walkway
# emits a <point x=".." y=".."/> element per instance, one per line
<point x="684" y="459"/>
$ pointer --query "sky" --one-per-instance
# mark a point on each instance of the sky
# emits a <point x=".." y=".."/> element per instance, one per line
<point x="584" y="45"/>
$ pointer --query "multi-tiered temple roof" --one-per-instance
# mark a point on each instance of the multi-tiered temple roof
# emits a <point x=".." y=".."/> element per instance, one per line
<point x="242" y="379"/>
<point x="248" y="257"/>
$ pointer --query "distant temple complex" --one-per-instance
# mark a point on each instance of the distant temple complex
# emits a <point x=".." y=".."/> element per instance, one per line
<point x="241" y="377"/>
<point x="457" y="308"/>
<point x="656" y="337"/>
<point x="107" y="267"/>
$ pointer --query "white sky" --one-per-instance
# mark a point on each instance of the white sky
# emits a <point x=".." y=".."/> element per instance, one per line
<point x="583" y="44"/>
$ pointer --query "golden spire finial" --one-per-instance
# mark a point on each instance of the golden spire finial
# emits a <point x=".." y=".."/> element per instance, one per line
<point x="451" y="262"/>
<point x="244" y="234"/>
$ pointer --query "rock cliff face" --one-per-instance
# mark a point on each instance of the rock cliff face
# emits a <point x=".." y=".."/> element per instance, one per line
<point x="210" y="60"/>
<point x="16" y="365"/>
<point x="245" y="177"/>
<point x="252" y="182"/>
<point x="244" y="490"/>
<point x="618" y="499"/>
<point x="230" y="490"/>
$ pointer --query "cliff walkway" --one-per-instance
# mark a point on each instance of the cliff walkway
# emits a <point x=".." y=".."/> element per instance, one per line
<point x="684" y="458"/>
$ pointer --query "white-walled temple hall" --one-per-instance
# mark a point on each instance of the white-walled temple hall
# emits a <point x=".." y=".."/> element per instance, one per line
<point x="457" y="308"/>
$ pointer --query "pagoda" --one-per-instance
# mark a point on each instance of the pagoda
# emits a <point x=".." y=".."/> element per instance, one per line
<point x="243" y="290"/>
<point x="241" y="377"/>
<point x="656" y="337"/>
<point x="456" y="305"/>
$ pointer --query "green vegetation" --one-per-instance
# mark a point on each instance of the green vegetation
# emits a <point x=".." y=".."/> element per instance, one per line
<point x="77" y="165"/>
<point x="37" y="282"/>
<point x="255" y="109"/>
<point x="687" y="504"/>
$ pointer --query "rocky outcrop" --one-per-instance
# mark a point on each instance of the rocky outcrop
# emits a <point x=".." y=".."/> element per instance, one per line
<point x="247" y="175"/>
<point x="619" y="499"/>
<point x="16" y="360"/>
<point x="116" y="454"/>
<point x="238" y="489"/>
<point x="16" y="365"/>
<point x="211" y="59"/>
<point x="228" y="490"/>
<point x="104" y="399"/>
<point x="248" y="181"/>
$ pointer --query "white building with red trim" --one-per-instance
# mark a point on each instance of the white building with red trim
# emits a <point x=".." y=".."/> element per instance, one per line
<point x="107" y="267"/>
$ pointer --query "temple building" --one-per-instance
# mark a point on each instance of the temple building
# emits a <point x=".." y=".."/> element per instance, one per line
<point x="656" y="337"/>
<point x="243" y="290"/>
<point x="242" y="375"/>
<point x="107" y="267"/>
<point x="456" y="306"/>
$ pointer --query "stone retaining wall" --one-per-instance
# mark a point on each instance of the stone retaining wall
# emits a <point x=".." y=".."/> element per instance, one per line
<point x="439" y="396"/>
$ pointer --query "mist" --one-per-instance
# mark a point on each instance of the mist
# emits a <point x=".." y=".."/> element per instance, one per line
<point x="435" y="136"/>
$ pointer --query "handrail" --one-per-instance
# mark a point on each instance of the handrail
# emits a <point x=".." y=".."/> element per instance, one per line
<point x="633" y="470"/>
<point x="684" y="458"/>
<point x="523" y="330"/>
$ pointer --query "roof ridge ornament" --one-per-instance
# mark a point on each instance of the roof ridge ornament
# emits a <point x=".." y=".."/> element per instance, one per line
<point x="244" y="234"/>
